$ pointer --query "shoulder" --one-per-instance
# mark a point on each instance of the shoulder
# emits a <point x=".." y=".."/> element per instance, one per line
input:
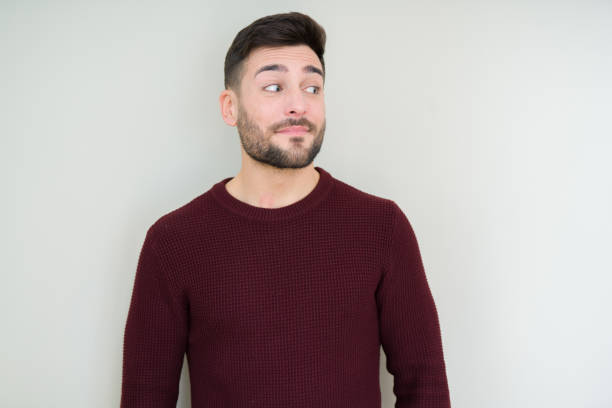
<point x="352" y="197"/>
<point x="382" y="213"/>
<point x="188" y="216"/>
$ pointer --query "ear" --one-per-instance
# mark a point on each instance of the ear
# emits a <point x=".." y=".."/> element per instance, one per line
<point x="228" y="102"/>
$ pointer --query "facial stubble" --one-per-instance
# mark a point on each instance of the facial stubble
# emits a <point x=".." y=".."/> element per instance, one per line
<point x="260" y="147"/>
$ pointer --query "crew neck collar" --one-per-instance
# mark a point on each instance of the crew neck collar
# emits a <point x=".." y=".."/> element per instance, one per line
<point x="322" y="188"/>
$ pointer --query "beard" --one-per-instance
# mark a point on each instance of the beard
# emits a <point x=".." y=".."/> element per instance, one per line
<point x="259" y="146"/>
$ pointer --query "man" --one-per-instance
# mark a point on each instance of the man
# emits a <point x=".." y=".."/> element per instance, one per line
<point x="282" y="282"/>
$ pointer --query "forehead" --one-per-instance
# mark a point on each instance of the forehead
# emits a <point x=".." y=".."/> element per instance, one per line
<point x="287" y="55"/>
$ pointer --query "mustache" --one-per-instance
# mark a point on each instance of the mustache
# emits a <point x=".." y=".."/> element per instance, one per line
<point x="295" y="122"/>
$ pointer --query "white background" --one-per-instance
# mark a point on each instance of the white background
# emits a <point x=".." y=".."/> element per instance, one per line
<point x="488" y="122"/>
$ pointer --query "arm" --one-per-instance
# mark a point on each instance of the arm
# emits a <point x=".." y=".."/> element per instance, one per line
<point x="155" y="337"/>
<point x="408" y="322"/>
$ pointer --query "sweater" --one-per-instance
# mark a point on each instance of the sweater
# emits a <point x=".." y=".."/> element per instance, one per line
<point x="283" y="307"/>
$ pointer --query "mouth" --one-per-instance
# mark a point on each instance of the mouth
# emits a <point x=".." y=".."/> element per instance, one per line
<point x="293" y="130"/>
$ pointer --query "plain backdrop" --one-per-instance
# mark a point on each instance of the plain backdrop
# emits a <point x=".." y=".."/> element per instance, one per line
<point x="488" y="122"/>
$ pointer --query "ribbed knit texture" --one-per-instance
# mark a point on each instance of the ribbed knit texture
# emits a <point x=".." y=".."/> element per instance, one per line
<point x="284" y="307"/>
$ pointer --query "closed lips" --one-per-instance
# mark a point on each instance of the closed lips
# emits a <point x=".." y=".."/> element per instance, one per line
<point x="294" y="129"/>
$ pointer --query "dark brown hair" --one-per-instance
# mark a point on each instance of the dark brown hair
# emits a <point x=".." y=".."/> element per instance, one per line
<point x="291" y="28"/>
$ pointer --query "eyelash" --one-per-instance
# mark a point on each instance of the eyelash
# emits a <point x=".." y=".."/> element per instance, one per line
<point x="318" y="88"/>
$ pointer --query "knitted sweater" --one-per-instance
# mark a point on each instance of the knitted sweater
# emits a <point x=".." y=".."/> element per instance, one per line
<point x="283" y="308"/>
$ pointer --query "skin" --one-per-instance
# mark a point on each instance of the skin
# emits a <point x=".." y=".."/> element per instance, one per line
<point x="277" y="169"/>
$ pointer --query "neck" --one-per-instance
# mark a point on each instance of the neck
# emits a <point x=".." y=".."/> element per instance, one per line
<point x="264" y="186"/>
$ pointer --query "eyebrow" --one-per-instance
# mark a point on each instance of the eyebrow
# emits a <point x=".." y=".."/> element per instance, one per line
<point x="283" y="68"/>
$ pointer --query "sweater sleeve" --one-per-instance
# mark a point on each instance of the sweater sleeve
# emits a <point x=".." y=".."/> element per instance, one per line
<point x="408" y="322"/>
<point x="155" y="337"/>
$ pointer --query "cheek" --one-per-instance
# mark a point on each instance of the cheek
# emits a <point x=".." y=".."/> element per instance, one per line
<point x="318" y="111"/>
<point x="267" y="114"/>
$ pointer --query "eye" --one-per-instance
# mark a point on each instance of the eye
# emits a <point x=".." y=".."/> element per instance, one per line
<point x="317" y="89"/>
<point x="271" y="86"/>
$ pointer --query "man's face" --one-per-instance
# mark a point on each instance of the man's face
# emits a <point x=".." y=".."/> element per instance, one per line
<point x="282" y="88"/>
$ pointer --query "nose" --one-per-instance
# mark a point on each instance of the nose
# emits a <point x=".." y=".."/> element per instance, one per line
<point x="295" y="103"/>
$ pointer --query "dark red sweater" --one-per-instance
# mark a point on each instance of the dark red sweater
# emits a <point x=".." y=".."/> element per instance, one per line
<point x="284" y="307"/>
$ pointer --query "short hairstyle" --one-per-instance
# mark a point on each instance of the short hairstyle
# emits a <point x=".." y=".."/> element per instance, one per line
<point x="291" y="28"/>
